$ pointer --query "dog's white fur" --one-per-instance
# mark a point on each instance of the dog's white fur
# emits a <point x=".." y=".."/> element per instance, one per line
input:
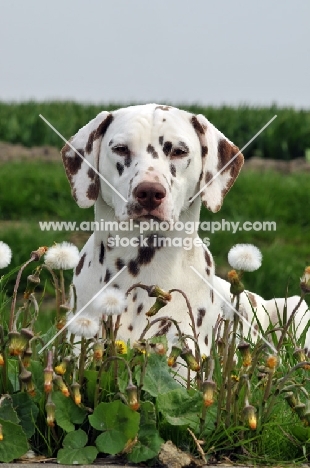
<point x="181" y="152"/>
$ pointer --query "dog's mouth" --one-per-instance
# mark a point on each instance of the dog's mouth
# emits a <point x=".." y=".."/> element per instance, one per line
<point x="148" y="217"/>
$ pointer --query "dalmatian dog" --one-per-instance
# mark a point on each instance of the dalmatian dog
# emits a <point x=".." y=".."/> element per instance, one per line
<point x="145" y="164"/>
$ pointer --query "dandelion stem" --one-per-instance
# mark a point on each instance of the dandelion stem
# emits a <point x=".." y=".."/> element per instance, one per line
<point x="288" y="323"/>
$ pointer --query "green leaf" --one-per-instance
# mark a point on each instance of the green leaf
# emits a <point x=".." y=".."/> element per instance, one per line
<point x="158" y="379"/>
<point x="14" y="443"/>
<point x="111" y="442"/>
<point x="74" y="451"/>
<point x="149" y="440"/>
<point x="27" y="412"/>
<point x="75" y="439"/>
<point x="13" y="372"/>
<point x="119" y="423"/>
<point x="67" y="412"/>
<point x="181" y="409"/>
<point x="7" y="411"/>
<point x="78" y="456"/>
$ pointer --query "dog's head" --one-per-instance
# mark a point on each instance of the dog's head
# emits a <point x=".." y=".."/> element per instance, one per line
<point x="150" y="161"/>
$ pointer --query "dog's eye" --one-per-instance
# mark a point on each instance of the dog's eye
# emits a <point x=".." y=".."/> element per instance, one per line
<point x="122" y="150"/>
<point x="179" y="152"/>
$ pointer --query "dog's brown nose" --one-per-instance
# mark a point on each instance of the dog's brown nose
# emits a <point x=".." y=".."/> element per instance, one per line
<point x="150" y="194"/>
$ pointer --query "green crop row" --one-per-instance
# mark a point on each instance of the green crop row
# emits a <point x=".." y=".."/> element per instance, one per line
<point x="287" y="137"/>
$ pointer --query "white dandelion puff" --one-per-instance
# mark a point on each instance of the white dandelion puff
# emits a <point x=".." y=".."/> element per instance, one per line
<point x="111" y="301"/>
<point x="245" y="257"/>
<point x="5" y="255"/>
<point x="64" y="256"/>
<point x="83" y="325"/>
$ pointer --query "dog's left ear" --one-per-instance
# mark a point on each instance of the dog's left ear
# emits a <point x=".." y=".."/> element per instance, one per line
<point x="82" y="165"/>
<point x="221" y="163"/>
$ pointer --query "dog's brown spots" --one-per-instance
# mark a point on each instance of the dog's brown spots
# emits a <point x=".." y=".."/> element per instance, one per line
<point x="120" y="168"/>
<point x="116" y="286"/>
<point x="101" y="253"/>
<point x="151" y="168"/>
<point x="200" y="177"/>
<point x="139" y="309"/>
<point x="197" y="125"/>
<point x="167" y="147"/>
<point x="208" y="271"/>
<point x="206" y="340"/>
<point x="133" y="267"/>
<point x="107" y="276"/>
<point x="119" y="263"/>
<point x="93" y="190"/>
<point x="90" y="142"/>
<point x="226" y="152"/>
<point x="204" y="151"/>
<point x="89" y="263"/>
<point x="188" y="163"/>
<point x="130" y="327"/>
<point x="91" y="173"/>
<point x="72" y="164"/>
<point x="102" y="128"/>
<point x="208" y="177"/>
<point x="151" y="150"/>
<point x="164" y="108"/>
<point x="134" y="297"/>
<point x="201" y="314"/>
<point x="100" y="281"/>
<point x="208" y="258"/>
<point x="173" y="170"/>
<point x="252" y="299"/>
<point x="145" y="255"/>
<point x="126" y="309"/>
<point x="110" y="142"/>
<point x="80" y="265"/>
<point x="161" y="140"/>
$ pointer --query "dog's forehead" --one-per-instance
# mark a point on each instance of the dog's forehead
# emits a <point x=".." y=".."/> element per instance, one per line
<point x="151" y="119"/>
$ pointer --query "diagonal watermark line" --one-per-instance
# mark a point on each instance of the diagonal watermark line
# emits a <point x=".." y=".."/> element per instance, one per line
<point x="82" y="157"/>
<point x="234" y="309"/>
<point x="236" y="155"/>
<point x="83" y="308"/>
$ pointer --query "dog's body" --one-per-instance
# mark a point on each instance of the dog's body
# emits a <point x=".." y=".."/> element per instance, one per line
<point x="157" y="158"/>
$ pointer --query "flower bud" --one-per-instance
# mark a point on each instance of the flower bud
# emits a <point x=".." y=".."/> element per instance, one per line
<point x="50" y="408"/>
<point x="17" y="343"/>
<point x="32" y="283"/>
<point x="173" y="356"/>
<point x="1" y="360"/>
<point x="208" y="388"/>
<point x="48" y="373"/>
<point x="245" y="352"/>
<point x="236" y="287"/>
<point x="132" y="395"/>
<point x="290" y="398"/>
<point x="155" y="291"/>
<point x="121" y="347"/>
<point x="159" y="304"/>
<point x="37" y="254"/>
<point x="250" y="416"/>
<point x="58" y="381"/>
<point x="75" y="387"/>
<point x="62" y="367"/>
<point x="272" y="361"/>
<point x="98" y="349"/>
<point x="188" y="357"/>
<point x="26" y="359"/>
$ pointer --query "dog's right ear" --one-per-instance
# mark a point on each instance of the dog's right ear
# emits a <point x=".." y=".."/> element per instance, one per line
<point x="82" y="165"/>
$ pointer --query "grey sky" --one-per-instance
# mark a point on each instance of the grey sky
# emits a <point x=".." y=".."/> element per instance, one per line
<point x="178" y="51"/>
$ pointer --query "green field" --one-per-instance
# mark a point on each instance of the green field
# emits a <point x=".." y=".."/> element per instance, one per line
<point x="39" y="190"/>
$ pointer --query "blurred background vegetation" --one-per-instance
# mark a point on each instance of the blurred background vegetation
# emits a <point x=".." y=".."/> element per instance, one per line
<point x="34" y="189"/>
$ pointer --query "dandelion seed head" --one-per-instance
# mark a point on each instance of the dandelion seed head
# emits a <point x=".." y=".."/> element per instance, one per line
<point x="5" y="255"/>
<point x="111" y="301"/>
<point x="83" y="325"/>
<point x="63" y="256"/>
<point x="245" y="257"/>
